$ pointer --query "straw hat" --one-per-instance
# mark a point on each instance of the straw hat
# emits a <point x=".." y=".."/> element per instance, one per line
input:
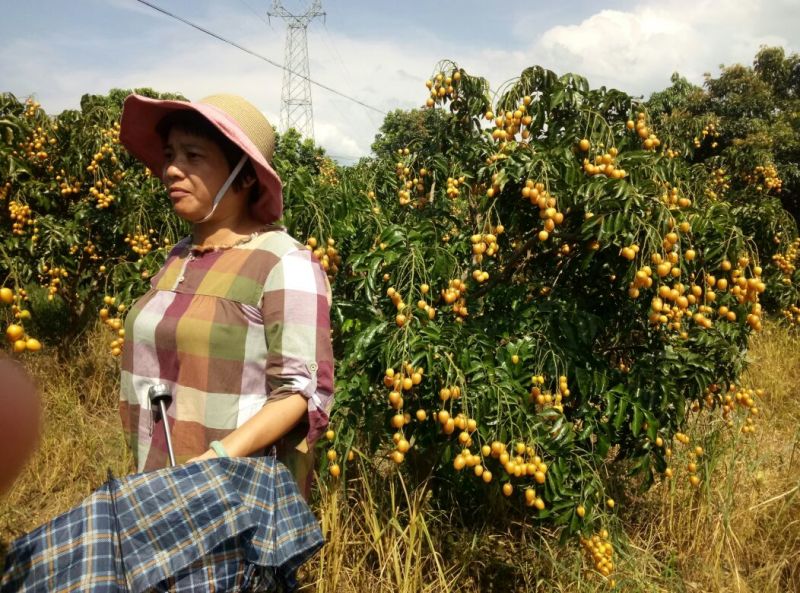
<point x="237" y="119"/>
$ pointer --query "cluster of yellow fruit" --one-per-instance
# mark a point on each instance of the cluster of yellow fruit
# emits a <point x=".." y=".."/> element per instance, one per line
<point x="519" y="461"/>
<point x="443" y="88"/>
<point x="709" y="131"/>
<point x="55" y="274"/>
<point x="744" y="290"/>
<point x="31" y="107"/>
<point x="512" y="122"/>
<point x="333" y="466"/>
<point x="20" y="341"/>
<point x="15" y="332"/>
<point x="787" y="262"/>
<point x="601" y="551"/>
<point x="101" y="192"/>
<point x="68" y="185"/>
<point x="114" y="323"/>
<point x="538" y="195"/>
<point x="545" y="399"/>
<point x="423" y="305"/>
<point x="672" y="153"/>
<point x="90" y="249"/>
<point x="397" y="299"/>
<point x="719" y="183"/>
<point x="408" y="181"/>
<point x="106" y="150"/>
<point x="604" y="164"/>
<point x="452" y="185"/>
<point x="480" y="276"/>
<point x="21" y="215"/>
<point x="402" y="381"/>
<point x="454" y="295"/>
<point x="484" y="244"/>
<point x="692" y="457"/>
<point x="327" y="254"/>
<point x="327" y="171"/>
<point x="672" y="199"/>
<point x="629" y="252"/>
<point x="35" y="148"/>
<point x="4" y="190"/>
<point x="649" y="140"/>
<point x="766" y="179"/>
<point x="449" y="392"/>
<point x="743" y="398"/>
<point x="141" y="243"/>
<point x="792" y="314"/>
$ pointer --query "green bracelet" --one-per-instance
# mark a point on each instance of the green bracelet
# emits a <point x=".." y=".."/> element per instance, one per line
<point x="218" y="449"/>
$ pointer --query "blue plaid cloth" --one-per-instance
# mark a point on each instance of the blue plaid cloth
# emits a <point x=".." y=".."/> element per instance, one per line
<point x="235" y="524"/>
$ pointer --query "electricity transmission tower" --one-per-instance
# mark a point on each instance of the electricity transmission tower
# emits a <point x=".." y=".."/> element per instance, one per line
<point x="296" y="92"/>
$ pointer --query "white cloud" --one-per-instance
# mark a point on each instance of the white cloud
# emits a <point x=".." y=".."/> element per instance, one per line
<point x="338" y="143"/>
<point x="637" y="50"/>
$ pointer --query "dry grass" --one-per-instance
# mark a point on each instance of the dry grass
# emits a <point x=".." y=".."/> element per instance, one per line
<point x="739" y="532"/>
<point x="81" y="438"/>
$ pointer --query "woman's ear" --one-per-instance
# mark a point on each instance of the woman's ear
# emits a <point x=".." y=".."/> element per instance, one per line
<point x="248" y="180"/>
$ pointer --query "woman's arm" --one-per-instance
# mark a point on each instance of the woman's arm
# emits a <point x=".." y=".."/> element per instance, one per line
<point x="268" y="425"/>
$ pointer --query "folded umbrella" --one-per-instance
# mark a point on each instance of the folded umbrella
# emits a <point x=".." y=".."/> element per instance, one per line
<point x="229" y="524"/>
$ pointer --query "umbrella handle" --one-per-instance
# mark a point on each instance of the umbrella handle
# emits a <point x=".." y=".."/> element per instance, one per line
<point x="161" y="397"/>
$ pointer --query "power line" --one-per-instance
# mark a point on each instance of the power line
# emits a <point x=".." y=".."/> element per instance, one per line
<point x="253" y="10"/>
<point x="259" y="56"/>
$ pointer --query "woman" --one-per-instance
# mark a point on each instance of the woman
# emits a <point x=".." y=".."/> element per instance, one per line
<point x="236" y="322"/>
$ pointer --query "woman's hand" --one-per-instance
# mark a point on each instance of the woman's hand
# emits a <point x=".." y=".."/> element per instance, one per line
<point x="210" y="454"/>
<point x="267" y="426"/>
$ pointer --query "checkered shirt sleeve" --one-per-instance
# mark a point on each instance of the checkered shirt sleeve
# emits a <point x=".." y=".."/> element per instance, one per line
<point x="296" y="312"/>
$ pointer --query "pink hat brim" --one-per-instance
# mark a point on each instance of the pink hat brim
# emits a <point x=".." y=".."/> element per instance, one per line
<point x="140" y="116"/>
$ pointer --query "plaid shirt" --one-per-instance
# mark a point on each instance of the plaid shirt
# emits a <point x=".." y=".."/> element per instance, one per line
<point x="216" y="525"/>
<point x="229" y="331"/>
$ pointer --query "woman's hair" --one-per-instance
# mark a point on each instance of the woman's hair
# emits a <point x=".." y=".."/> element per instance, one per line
<point x="194" y="124"/>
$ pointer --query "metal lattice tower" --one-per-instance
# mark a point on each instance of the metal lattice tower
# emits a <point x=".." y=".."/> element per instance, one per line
<point x="296" y="109"/>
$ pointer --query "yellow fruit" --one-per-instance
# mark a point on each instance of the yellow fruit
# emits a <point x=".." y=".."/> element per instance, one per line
<point x="610" y="503"/>
<point x="581" y="511"/>
<point x="329" y="435"/>
<point x="33" y="345"/>
<point x="331" y="455"/>
<point x="508" y="489"/>
<point x="20" y="346"/>
<point x="514" y="359"/>
<point x="14" y="332"/>
<point x="6" y="295"/>
<point x="334" y="470"/>
<point x="584" y="144"/>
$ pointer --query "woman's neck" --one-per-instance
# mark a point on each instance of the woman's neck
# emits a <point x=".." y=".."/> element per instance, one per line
<point x="216" y="233"/>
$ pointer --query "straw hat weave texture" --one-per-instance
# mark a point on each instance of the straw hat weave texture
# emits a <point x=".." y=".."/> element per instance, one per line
<point x="250" y="120"/>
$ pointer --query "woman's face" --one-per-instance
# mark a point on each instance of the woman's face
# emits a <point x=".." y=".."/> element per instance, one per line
<point x="194" y="171"/>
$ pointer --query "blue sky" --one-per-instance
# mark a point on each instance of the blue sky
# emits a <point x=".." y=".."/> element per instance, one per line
<point x="380" y="52"/>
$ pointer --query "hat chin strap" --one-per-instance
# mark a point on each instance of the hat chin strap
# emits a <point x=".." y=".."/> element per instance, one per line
<point x="224" y="189"/>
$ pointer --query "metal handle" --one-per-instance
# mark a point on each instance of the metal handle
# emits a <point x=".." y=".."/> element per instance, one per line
<point x="161" y="397"/>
